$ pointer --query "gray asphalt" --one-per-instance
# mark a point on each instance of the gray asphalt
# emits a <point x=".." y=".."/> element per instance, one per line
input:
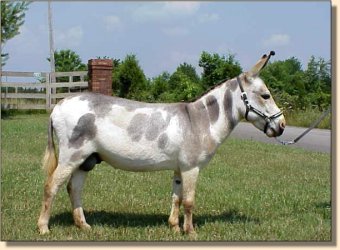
<point x="316" y="140"/>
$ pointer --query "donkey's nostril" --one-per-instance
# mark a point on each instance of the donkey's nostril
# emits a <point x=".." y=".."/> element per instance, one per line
<point x="282" y="125"/>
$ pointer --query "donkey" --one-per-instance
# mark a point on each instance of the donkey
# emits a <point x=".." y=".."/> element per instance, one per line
<point x="137" y="136"/>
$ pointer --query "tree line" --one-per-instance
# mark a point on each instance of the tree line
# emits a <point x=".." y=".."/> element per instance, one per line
<point x="293" y="87"/>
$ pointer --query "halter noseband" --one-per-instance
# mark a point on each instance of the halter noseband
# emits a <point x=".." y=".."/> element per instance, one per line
<point x="249" y="107"/>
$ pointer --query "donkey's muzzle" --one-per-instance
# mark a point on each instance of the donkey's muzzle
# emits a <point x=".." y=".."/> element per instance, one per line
<point x="282" y="127"/>
<point x="277" y="130"/>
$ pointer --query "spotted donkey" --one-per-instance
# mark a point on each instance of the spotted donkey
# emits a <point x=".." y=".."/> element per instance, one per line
<point x="136" y="136"/>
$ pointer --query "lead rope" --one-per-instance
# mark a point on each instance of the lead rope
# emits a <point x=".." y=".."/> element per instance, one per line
<point x="313" y="125"/>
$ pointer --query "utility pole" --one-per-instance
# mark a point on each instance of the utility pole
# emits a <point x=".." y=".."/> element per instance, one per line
<point x="52" y="63"/>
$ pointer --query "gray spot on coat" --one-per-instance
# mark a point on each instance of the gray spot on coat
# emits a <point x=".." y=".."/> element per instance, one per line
<point x="84" y="130"/>
<point x="195" y="122"/>
<point x="233" y="85"/>
<point x="98" y="103"/>
<point x="137" y="126"/>
<point x="200" y="119"/>
<point x="228" y="108"/>
<point x="213" y="108"/>
<point x="156" y="125"/>
<point x="162" y="141"/>
<point x="76" y="156"/>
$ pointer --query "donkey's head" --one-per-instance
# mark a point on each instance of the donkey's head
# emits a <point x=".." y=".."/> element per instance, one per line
<point x="259" y="106"/>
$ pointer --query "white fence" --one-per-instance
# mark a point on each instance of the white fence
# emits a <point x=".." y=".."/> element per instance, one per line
<point x="39" y="92"/>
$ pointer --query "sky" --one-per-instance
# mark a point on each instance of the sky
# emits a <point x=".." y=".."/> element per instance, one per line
<point x="165" y="34"/>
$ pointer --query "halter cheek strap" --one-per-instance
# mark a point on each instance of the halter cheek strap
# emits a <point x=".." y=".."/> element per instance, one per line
<point x="249" y="108"/>
<point x="244" y="98"/>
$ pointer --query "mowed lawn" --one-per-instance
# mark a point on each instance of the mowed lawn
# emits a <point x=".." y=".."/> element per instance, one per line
<point x="250" y="191"/>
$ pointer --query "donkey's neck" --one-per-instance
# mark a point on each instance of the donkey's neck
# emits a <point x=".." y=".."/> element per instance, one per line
<point x="221" y="107"/>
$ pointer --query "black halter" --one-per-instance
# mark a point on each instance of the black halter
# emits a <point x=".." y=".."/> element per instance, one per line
<point x="249" y="107"/>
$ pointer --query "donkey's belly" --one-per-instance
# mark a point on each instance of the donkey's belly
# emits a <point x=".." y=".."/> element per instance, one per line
<point x="139" y="163"/>
<point x="136" y="156"/>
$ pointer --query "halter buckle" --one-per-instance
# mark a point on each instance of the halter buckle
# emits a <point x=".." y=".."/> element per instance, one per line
<point x="244" y="96"/>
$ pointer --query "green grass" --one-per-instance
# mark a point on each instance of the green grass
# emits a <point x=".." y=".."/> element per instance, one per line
<point x="250" y="191"/>
<point x="304" y="118"/>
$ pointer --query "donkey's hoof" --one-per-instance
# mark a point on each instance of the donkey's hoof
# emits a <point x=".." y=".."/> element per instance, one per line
<point x="43" y="230"/>
<point x="190" y="231"/>
<point x="192" y="235"/>
<point x="85" y="226"/>
<point x="176" y="229"/>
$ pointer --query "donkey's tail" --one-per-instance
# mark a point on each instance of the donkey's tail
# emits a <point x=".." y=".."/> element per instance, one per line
<point x="50" y="160"/>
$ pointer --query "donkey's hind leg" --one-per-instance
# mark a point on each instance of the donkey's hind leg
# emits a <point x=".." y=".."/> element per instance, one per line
<point x="176" y="202"/>
<point x="74" y="189"/>
<point x="52" y="185"/>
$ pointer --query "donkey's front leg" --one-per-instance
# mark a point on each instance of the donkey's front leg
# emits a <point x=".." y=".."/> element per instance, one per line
<point x="176" y="201"/>
<point x="74" y="189"/>
<point x="189" y="179"/>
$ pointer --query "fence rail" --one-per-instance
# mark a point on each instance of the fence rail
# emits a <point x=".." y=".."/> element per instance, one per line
<point x="41" y="93"/>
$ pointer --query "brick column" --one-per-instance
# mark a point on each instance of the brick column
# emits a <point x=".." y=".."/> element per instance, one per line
<point x="100" y="76"/>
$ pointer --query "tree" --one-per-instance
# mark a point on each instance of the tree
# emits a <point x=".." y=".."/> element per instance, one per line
<point x="67" y="61"/>
<point x="285" y="80"/>
<point x="189" y="71"/>
<point x="129" y="80"/>
<point x="183" y="88"/>
<point x="12" y="18"/>
<point x="184" y="84"/>
<point x="317" y="78"/>
<point x="294" y="88"/>
<point x="159" y="87"/>
<point x="217" y="68"/>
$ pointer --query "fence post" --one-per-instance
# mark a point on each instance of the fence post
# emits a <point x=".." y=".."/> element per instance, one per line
<point x="100" y="76"/>
<point x="48" y="92"/>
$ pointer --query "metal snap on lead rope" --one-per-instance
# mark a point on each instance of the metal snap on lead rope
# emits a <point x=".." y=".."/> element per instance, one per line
<point x="313" y="125"/>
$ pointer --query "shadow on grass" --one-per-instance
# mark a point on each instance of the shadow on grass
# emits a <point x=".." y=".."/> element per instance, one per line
<point x="12" y="113"/>
<point x="117" y="219"/>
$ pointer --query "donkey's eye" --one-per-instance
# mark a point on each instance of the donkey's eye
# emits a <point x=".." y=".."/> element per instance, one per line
<point x="265" y="96"/>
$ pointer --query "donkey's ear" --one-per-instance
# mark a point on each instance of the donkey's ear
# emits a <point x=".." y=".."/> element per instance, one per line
<point x="260" y="64"/>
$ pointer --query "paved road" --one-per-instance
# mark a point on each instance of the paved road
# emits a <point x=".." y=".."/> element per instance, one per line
<point x="316" y="140"/>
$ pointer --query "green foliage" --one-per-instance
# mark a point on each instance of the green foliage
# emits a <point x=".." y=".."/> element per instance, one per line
<point x="304" y="118"/>
<point x="187" y="70"/>
<point x="67" y="61"/>
<point x="297" y="89"/>
<point x="217" y="68"/>
<point x="317" y="80"/>
<point x="159" y="86"/>
<point x="129" y="80"/>
<point x="183" y="85"/>
<point x="293" y="88"/>
<point x="12" y="17"/>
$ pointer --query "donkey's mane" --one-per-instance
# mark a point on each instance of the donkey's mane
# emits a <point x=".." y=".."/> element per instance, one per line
<point x="218" y="84"/>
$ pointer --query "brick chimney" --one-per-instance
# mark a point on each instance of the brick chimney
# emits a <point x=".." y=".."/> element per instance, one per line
<point x="100" y="76"/>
